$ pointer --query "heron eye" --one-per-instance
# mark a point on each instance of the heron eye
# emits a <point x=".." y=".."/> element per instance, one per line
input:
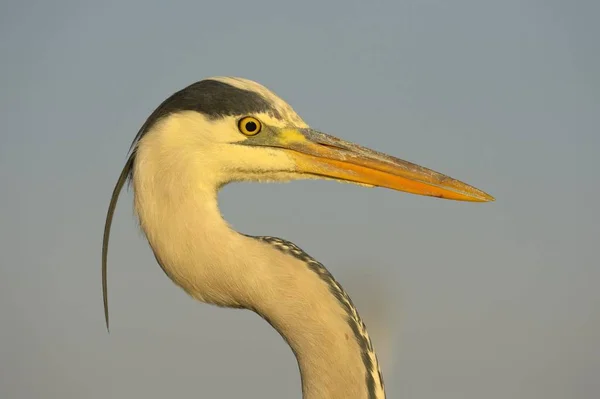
<point x="249" y="126"/>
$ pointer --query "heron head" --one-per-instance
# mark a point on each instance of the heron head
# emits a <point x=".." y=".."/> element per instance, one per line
<point x="232" y="129"/>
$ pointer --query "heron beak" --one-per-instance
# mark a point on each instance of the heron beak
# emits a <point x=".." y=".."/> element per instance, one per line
<point x="319" y="154"/>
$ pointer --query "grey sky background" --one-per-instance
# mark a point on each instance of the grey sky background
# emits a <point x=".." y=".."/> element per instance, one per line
<point x="464" y="300"/>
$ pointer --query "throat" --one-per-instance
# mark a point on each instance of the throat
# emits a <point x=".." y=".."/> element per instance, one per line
<point x="317" y="319"/>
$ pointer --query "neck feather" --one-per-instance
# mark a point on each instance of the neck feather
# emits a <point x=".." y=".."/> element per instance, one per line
<point x="200" y="253"/>
<point x="317" y="318"/>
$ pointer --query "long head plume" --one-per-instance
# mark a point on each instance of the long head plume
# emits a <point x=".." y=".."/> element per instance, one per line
<point x="161" y="111"/>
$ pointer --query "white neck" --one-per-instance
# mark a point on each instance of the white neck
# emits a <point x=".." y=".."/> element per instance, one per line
<point x="214" y="264"/>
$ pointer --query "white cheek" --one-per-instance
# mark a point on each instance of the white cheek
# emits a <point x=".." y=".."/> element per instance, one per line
<point x="189" y="148"/>
<point x="247" y="159"/>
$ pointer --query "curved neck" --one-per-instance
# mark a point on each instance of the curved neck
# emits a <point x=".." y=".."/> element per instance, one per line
<point x="295" y="294"/>
<point x="317" y="319"/>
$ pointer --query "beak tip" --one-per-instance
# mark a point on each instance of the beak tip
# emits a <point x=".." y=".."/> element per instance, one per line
<point x="489" y="198"/>
<point x="485" y="197"/>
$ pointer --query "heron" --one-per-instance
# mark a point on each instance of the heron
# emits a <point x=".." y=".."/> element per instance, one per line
<point x="226" y="129"/>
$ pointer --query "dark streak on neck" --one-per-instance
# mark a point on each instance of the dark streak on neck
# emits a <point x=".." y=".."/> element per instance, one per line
<point x="353" y="319"/>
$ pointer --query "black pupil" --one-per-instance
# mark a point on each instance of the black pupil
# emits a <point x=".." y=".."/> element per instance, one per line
<point x="251" y="126"/>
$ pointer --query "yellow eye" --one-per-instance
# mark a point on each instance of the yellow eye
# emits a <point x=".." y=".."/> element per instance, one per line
<point x="249" y="126"/>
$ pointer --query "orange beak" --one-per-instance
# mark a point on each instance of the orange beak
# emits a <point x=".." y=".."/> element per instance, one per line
<point x="319" y="154"/>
